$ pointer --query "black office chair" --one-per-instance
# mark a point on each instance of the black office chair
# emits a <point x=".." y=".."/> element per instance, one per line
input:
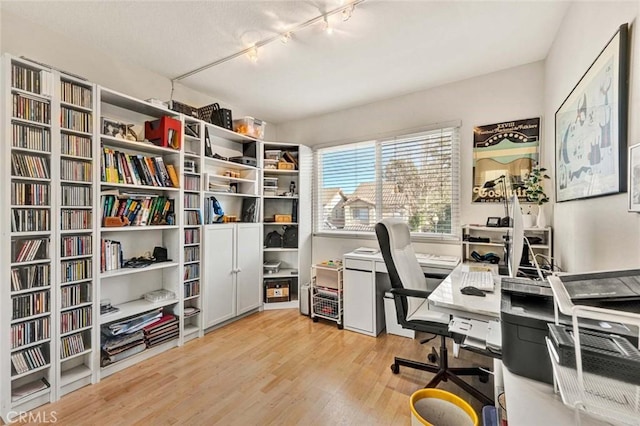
<point x="410" y="292"/>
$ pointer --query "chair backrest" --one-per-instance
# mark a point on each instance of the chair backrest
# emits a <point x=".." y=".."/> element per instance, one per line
<point x="402" y="265"/>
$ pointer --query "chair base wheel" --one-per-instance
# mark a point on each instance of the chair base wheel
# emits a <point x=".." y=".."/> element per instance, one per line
<point x="395" y="368"/>
<point x="432" y="358"/>
<point x="340" y="326"/>
<point x="315" y="319"/>
<point x="483" y="379"/>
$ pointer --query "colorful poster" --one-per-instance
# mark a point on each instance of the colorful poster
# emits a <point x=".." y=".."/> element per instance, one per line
<point x="507" y="149"/>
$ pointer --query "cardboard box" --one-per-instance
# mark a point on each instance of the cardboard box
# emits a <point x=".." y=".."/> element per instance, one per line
<point x="277" y="291"/>
<point x="283" y="165"/>
<point x="282" y="218"/>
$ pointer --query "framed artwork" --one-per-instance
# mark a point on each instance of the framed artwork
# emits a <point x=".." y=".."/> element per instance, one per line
<point x="634" y="178"/>
<point x="508" y="149"/>
<point x="591" y="127"/>
<point x="113" y="128"/>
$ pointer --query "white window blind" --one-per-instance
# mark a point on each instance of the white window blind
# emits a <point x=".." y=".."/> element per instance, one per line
<point x="412" y="177"/>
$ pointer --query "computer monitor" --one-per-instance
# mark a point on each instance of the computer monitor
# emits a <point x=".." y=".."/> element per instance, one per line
<point x="517" y="241"/>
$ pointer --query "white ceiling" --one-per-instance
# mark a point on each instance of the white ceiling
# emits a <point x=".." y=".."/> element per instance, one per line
<point x="386" y="49"/>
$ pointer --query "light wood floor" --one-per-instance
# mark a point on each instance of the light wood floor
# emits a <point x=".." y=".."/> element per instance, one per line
<point x="274" y="367"/>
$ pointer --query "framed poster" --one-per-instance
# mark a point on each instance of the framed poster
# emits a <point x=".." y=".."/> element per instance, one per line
<point x="591" y="128"/>
<point x="634" y="178"/>
<point x="507" y="149"/>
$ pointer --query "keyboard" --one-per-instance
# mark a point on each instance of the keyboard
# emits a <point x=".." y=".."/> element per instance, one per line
<point x="482" y="280"/>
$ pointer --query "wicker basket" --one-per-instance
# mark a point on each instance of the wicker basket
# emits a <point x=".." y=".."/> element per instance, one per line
<point x="184" y="109"/>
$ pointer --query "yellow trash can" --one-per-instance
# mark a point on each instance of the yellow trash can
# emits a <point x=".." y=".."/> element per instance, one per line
<point x="435" y="407"/>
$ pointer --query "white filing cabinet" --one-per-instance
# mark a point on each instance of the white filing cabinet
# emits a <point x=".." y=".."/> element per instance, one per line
<point x="365" y="283"/>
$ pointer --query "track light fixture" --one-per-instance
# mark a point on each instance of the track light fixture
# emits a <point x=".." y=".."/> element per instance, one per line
<point x="346" y="10"/>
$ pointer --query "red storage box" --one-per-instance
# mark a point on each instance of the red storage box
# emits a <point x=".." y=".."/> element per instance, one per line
<point x="165" y="132"/>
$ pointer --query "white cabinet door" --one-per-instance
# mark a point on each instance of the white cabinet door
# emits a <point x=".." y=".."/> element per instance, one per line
<point x="219" y="291"/>
<point x="248" y="264"/>
<point x="358" y="301"/>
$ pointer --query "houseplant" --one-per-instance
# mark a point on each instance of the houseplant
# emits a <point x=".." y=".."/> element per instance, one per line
<point x="534" y="190"/>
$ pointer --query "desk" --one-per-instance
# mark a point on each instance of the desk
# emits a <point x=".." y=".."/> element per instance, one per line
<point x="448" y="299"/>
<point x="364" y="292"/>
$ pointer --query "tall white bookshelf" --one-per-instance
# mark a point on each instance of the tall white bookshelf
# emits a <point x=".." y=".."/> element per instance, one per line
<point x="28" y="363"/>
<point x="192" y="228"/>
<point x="132" y="172"/>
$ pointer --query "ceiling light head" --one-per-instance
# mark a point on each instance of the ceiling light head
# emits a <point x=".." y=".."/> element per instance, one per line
<point x="326" y="26"/>
<point x="285" y="37"/>
<point x="347" y="12"/>
<point x="253" y="54"/>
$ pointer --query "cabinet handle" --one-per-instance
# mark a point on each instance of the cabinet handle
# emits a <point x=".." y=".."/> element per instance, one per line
<point x="238" y="270"/>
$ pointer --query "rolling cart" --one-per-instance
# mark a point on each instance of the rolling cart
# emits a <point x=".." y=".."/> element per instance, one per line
<point x="326" y="292"/>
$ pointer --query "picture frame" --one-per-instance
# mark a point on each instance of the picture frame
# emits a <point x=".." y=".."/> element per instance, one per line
<point x="113" y="128"/>
<point x="591" y="127"/>
<point x="634" y="178"/>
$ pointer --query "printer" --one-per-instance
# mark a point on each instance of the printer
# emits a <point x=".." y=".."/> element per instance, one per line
<point x="524" y="315"/>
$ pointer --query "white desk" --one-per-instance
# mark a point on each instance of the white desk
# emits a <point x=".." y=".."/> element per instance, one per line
<point x="448" y="299"/>
<point x="363" y="299"/>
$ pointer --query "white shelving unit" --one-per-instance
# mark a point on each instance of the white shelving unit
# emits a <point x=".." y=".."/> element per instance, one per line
<point x="135" y="176"/>
<point x="496" y="245"/>
<point x="193" y="132"/>
<point x="286" y="190"/>
<point x="613" y="401"/>
<point x="30" y="165"/>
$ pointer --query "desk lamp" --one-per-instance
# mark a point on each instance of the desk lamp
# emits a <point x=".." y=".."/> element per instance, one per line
<point x="506" y="220"/>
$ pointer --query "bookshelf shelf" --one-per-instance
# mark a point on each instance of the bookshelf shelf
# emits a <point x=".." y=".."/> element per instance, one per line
<point x="139" y="187"/>
<point x="147" y="147"/>
<point x="29" y="345"/>
<point x="280" y="172"/>
<point x="74" y="231"/>
<point x="75" y="132"/>
<point x="76" y="373"/>
<point x="76" y="182"/>
<point x="75" y="331"/>
<point x="228" y="164"/>
<point x="128" y="271"/>
<point x="230" y="179"/>
<point x="30" y="290"/>
<point x="29" y="94"/>
<point x="31" y="262"/>
<point x="134" y="359"/>
<point x="32" y="396"/>
<point x="134" y="307"/>
<point x="34" y="370"/>
<point x="283" y="273"/>
<point x="76" y="107"/>
<point x="70" y="357"/>
<point x="280" y="197"/>
<point x="30" y="122"/>
<point x="29" y="179"/>
<point x="229" y="194"/>
<point x="29" y="318"/>
<point x="139" y="228"/>
<point x="279" y="249"/>
<point x="70" y="308"/>
<point x="84" y="280"/>
<point x="75" y="157"/>
<point x="30" y="234"/>
<point x="29" y="151"/>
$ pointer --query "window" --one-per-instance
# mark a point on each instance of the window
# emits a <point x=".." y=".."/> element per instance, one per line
<point x="412" y="177"/>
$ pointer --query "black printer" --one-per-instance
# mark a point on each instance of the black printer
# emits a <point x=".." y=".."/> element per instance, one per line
<point x="524" y="318"/>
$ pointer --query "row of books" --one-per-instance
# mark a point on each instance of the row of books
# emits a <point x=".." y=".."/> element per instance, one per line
<point x="79" y="171"/>
<point x="31" y="109"/>
<point x="26" y="305"/>
<point x="32" y="166"/>
<point x="31" y="137"/>
<point x="75" y="319"/>
<point x="192" y="218"/>
<point x="32" y="276"/>
<point x="191" y="201"/>
<point x="191" y="254"/>
<point x="192" y="183"/>
<point x="75" y="219"/>
<point x="192" y="288"/>
<point x="111" y="256"/>
<point x="191" y="271"/>
<point x="75" y="270"/>
<point x="35" y="81"/>
<point x="78" y="146"/>
<point x="29" y="332"/>
<point x="76" y="196"/>
<point x="79" y="121"/>
<point x="76" y="245"/>
<point x="192" y="236"/>
<point x="140" y="210"/>
<point x="118" y="167"/>
<point x="75" y="294"/>
<point x="29" y="194"/>
<point x="28" y="359"/>
<point x="75" y="94"/>
<point x="29" y="250"/>
<point x="71" y="345"/>
<point x="30" y="220"/>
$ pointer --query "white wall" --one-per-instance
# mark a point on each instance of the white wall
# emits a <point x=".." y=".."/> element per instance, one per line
<point x="598" y="233"/>
<point x="21" y="37"/>
<point x="511" y="94"/>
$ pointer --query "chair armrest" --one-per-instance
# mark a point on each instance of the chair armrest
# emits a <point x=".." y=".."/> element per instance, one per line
<point x="410" y="293"/>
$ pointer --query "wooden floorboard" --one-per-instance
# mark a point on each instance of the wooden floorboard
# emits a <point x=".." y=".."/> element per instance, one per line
<point x="273" y="367"/>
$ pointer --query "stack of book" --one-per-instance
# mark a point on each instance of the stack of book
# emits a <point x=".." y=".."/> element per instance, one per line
<point x="163" y="330"/>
